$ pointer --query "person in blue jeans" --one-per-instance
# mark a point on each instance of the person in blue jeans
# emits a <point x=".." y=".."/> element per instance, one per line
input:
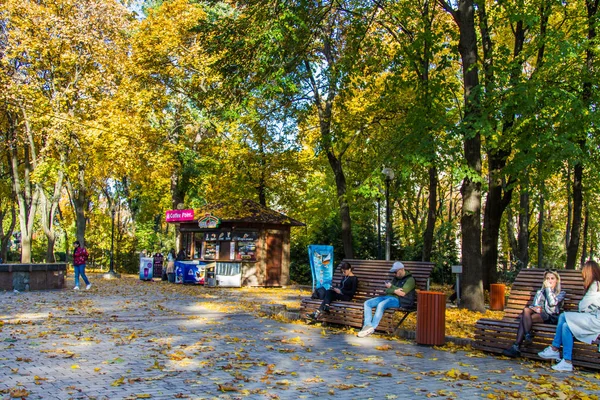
<point x="400" y="292"/>
<point x="80" y="256"/>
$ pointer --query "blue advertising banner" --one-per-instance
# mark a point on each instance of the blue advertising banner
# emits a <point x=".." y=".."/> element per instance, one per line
<point x="146" y="266"/>
<point x="190" y="272"/>
<point x="321" y="265"/>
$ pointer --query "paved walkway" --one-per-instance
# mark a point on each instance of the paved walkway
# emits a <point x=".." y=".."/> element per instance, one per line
<point x="131" y="339"/>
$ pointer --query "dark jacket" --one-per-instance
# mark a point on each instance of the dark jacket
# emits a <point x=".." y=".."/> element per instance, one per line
<point x="348" y="285"/>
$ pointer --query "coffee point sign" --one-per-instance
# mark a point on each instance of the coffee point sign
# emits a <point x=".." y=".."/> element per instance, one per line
<point x="180" y="215"/>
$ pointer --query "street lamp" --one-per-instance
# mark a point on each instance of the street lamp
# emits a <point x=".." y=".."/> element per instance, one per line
<point x="111" y="271"/>
<point x="378" y="228"/>
<point x="389" y="175"/>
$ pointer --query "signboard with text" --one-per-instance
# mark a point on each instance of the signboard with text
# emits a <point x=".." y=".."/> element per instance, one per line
<point x="179" y="215"/>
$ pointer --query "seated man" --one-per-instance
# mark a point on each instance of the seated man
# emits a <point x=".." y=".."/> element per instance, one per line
<point x="400" y="292"/>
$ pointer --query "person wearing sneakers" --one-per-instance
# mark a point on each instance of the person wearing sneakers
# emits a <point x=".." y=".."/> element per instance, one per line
<point x="80" y="256"/>
<point x="345" y="291"/>
<point x="583" y="325"/>
<point x="545" y="308"/>
<point x="400" y="292"/>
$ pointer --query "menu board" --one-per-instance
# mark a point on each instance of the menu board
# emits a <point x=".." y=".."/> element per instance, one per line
<point x="217" y="236"/>
<point x="246" y="251"/>
<point x="227" y="245"/>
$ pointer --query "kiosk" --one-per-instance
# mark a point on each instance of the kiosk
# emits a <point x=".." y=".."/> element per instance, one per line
<point x="245" y="244"/>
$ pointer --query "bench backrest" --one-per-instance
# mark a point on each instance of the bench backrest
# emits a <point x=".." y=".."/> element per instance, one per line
<point x="372" y="275"/>
<point x="529" y="281"/>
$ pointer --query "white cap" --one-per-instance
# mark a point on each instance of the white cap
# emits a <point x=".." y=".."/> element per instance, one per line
<point x="396" y="266"/>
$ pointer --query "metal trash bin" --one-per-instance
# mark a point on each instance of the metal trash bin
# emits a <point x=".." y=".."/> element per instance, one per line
<point x="497" y="296"/>
<point x="431" y="318"/>
<point x="211" y="280"/>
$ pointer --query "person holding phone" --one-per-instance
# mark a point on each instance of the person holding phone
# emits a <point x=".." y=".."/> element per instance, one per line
<point x="399" y="292"/>
<point x="345" y="291"/>
<point x="545" y="308"/>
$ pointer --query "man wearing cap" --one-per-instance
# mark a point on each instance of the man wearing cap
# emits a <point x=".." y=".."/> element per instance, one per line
<point x="400" y="292"/>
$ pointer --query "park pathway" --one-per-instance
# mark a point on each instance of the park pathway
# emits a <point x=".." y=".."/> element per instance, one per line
<point x="126" y="339"/>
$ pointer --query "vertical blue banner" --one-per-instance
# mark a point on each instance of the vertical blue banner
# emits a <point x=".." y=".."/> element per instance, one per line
<point x="321" y="265"/>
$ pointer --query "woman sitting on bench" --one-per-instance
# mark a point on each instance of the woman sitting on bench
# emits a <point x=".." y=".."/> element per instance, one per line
<point x="583" y="325"/>
<point x="545" y="308"/>
<point x="345" y="291"/>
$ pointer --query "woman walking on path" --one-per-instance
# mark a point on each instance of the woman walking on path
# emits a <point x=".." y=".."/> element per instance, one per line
<point x="345" y="291"/>
<point x="583" y="325"/>
<point x="545" y="308"/>
<point x="80" y="256"/>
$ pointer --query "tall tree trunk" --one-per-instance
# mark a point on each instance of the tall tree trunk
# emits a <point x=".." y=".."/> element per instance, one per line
<point x="340" y="184"/>
<point x="324" y="107"/>
<point x="428" y="13"/>
<point x="6" y="235"/>
<point x="584" y="254"/>
<point x="496" y="202"/>
<point x="540" y="246"/>
<point x="49" y="208"/>
<point x="569" y="209"/>
<point x="511" y="233"/>
<point x="523" y="236"/>
<point x="472" y="293"/>
<point x="431" y="215"/>
<point x="25" y="192"/>
<point x="497" y="198"/>
<point x="79" y="201"/>
<point x="577" y="206"/>
<point x="587" y="97"/>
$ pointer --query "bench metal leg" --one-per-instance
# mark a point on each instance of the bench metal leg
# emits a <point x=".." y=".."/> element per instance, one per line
<point x="406" y="313"/>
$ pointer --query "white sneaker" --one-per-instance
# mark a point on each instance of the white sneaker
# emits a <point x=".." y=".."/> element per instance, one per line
<point x="563" y="365"/>
<point x="76" y="288"/>
<point x="549" y="354"/>
<point x="366" y="331"/>
<point x="89" y="285"/>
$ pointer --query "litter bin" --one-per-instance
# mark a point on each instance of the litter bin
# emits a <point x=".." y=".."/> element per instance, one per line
<point x="211" y="280"/>
<point x="497" y="294"/>
<point x="431" y="318"/>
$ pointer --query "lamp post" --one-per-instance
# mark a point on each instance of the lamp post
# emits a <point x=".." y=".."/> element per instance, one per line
<point x="389" y="175"/>
<point x="378" y="228"/>
<point x="111" y="271"/>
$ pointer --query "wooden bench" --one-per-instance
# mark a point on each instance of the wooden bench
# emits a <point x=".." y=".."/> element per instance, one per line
<point x="496" y="335"/>
<point x="372" y="275"/>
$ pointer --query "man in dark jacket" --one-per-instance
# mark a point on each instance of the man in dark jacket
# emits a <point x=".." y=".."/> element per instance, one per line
<point x="400" y="292"/>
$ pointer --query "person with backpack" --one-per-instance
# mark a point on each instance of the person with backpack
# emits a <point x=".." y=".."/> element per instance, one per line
<point x="80" y="256"/>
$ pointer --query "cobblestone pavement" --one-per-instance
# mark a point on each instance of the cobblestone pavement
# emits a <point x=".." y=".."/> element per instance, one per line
<point x="131" y="339"/>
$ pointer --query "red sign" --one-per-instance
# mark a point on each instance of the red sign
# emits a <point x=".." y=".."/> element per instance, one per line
<point x="180" y="215"/>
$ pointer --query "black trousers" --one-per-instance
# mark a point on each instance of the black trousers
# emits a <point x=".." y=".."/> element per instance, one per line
<point x="330" y="296"/>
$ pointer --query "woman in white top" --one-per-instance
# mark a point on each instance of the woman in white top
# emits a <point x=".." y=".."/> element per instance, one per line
<point x="583" y="325"/>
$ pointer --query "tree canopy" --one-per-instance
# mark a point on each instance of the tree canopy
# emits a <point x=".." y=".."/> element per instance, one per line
<point x="485" y="112"/>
